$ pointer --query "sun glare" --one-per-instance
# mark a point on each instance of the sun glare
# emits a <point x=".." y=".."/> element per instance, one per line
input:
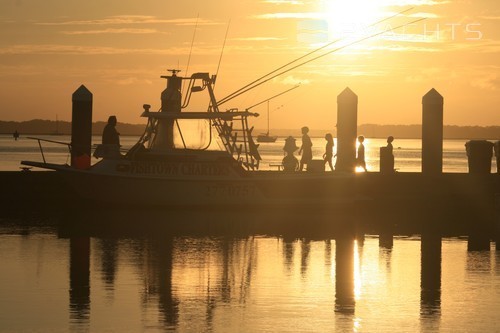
<point x="351" y="17"/>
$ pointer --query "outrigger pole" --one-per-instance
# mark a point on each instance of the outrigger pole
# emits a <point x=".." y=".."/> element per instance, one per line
<point x="270" y="98"/>
<point x="221" y="53"/>
<point x="253" y="84"/>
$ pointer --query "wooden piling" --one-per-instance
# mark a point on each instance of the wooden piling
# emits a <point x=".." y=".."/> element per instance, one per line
<point x="432" y="133"/>
<point x="386" y="239"/>
<point x="478" y="241"/>
<point x="81" y="128"/>
<point x="347" y="123"/>
<point x="479" y="154"/>
<point x="496" y="147"/>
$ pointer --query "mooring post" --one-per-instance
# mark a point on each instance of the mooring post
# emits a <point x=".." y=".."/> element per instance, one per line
<point x="497" y="154"/>
<point x="479" y="154"/>
<point x="479" y="238"/>
<point x="347" y="129"/>
<point x="432" y="132"/>
<point x="430" y="273"/>
<point x="81" y="128"/>
<point x="386" y="238"/>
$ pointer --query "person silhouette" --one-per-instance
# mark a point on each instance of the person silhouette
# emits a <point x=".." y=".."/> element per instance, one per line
<point x="390" y="149"/>
<point x="328" y="155"/>
<point x="390" y="139"/>
<point x="306" y="148"/>
<point x="360" y="160"/>
<point x="110" y="135"/>
<point x="290" y="163"/>
<point x="15" y="135"/>
<point x="110" y="147"/>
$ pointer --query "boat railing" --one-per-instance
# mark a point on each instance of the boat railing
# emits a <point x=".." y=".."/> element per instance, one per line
<point x="40" y="140"/>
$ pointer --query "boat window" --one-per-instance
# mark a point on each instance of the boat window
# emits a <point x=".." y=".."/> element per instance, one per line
<point x="187" y="134"/>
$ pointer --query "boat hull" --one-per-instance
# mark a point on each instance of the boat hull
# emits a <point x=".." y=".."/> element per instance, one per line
<point x="258" y="189"/>
<point x="266" y="138"/>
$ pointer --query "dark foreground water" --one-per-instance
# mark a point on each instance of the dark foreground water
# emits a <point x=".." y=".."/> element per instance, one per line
<point x="57" y="281"/>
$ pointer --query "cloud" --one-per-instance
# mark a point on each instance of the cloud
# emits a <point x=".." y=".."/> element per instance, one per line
<point x="291" y="80"/>
<point x="487" y="82"/>
<point x="493" y="18"/>
<point x="310" y="15"/>
<point x="403" y="3"/>
<point x="133" y="19"/>
<point x="113" y="31"/>
<point x="402" y="48"/>
<point x="424" y="15"/>
<point x="257" y="39"/>
<point x="132" y="80"/>
<point x="97" y="50"/>
<point x="284" y="2"/>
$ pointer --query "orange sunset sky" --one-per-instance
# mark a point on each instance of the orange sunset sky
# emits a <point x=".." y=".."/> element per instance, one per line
<point x="119" y="48"/>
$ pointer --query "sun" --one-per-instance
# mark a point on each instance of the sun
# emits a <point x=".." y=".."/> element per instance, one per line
<point x="348" y="17"/>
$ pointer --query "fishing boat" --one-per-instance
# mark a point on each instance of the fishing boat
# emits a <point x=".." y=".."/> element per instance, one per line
<point x="160" y="171"/>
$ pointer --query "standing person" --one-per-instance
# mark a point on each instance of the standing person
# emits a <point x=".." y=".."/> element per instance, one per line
<point x="360" y="160"/>
<point x="306" y="148"/>
<point x="15" y="135"/>
<point x="389" y="144"/>
<point x="110" y="135"/>
<point x="328" y="155"/>
<point x="389" y="153"/>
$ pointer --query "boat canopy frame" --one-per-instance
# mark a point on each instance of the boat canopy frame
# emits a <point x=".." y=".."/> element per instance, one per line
<point x="231" y="125"/>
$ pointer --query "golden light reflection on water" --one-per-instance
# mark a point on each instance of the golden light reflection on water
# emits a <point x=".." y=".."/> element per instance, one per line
<point x="248" y="284"/>
<point x="357" y="272"/>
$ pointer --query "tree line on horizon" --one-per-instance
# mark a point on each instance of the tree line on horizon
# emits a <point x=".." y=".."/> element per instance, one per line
<point x="48" y="127"/>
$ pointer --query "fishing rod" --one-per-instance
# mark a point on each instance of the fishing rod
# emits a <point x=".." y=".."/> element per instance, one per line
<point x="317" y="57"/>
<point x="192" y="43"/>
<point x="221" y="53"/>
<point x="270" y="98"/>
<point x="223" y="100"/>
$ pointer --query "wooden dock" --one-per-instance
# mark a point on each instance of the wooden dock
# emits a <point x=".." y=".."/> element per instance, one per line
<point x="399" y="203"/>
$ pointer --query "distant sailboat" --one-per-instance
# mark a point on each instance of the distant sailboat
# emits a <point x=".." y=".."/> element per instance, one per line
<point x="265" y="137"/>
<point x="56" y="132"/>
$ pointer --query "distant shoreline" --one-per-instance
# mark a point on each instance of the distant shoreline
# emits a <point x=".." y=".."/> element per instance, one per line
<point x="50" y="127"/>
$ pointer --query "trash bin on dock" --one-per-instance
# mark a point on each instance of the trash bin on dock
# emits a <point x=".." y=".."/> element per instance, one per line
<point x="479" y="154"/>
<point x="386" y="160"/>
<point x="497" y="154"/>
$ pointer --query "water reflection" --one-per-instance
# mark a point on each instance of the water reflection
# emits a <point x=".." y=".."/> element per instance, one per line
<point x="385" y="257"/>
<point x="344" y="276"/>
<point x="288" y="253"/>
<point x="79" y="279"/>
<point x="108" y="249"/>
<point x="304" y="256"/>
<point x="430" y="275"/>
<point x="162" y="268"/>
<point x="175" y="282"/>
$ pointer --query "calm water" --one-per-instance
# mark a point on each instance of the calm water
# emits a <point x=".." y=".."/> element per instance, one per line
<point x="54" y="282"/>
<point x="407" y="152"/>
